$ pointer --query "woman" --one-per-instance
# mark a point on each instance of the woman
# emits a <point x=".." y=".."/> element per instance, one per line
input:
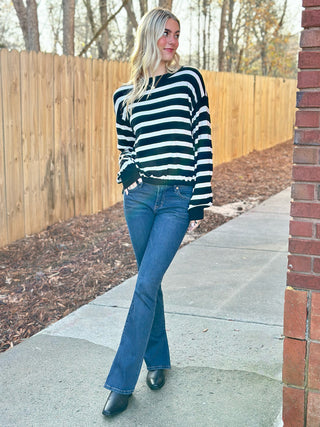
<point x="163" y="128"/>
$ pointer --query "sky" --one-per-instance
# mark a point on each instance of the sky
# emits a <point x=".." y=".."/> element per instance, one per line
<point x="294" y="15"/>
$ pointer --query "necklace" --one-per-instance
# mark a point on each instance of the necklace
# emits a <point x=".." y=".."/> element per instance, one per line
<point x="156" y="84"/>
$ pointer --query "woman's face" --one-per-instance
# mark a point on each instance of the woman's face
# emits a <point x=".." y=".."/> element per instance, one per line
<point x="169" y="41"/>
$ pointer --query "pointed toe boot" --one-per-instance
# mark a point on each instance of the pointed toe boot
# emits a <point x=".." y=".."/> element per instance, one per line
<point x="156" y="379"/>
<point x="115" y="404"/>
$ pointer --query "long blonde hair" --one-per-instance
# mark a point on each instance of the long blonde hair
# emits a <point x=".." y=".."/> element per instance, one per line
<point x="146" y="57"/>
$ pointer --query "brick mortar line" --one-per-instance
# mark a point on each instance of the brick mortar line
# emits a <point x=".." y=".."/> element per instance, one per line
<point x="308" y="128"/>
<point x="308" y="69"/>
<point x="316" y="202"/>
<point x="309" y="109"/>
<point x="309" y="90"/>
<point x="307" y="8"/>
<point x="306" y="237"/>
<point x="315" y="183"/>
<point x="305" y="219"/>
<point x="310" y="49"/>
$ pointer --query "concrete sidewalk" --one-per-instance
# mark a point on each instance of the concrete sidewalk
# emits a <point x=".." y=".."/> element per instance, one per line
<point x="224" y="302"/>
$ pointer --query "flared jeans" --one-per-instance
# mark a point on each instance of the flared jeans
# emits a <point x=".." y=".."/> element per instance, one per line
<point x="157" y="219"/>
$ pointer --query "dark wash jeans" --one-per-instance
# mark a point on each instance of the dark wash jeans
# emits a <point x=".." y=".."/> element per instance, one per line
<point x="157" y="218"/>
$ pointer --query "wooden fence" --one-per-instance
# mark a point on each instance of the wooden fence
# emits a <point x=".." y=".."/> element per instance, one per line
<point x="58" y="155"/>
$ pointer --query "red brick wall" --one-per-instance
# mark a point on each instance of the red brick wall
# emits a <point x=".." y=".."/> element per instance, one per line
<point x="301" y="354"/>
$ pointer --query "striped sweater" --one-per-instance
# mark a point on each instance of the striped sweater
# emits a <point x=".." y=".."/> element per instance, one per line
<point x="166" y="140"/>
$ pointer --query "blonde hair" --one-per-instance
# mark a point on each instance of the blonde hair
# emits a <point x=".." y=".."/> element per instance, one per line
<point x="146" y="57"/>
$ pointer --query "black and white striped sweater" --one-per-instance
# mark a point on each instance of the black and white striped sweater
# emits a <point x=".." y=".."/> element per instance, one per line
<point x="166" y="140"/>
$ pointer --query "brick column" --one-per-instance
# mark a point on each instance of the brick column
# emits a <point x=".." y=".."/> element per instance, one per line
<point x="301" y="354"/>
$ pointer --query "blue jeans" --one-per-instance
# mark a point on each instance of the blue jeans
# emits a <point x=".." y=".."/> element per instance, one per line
<point x="157" y="218"/>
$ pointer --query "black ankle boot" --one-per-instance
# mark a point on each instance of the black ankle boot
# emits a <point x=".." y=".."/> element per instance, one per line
<point x="115" y="403"/>
<point x="156" y="379"/>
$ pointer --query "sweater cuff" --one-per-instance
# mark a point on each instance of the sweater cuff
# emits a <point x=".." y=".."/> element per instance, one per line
<point x="130" y="175"/>
<point x="195" y="213"/>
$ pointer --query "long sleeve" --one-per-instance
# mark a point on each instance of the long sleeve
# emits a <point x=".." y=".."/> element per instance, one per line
<point x="201" y="132"/>
<point x="128" y="170"/>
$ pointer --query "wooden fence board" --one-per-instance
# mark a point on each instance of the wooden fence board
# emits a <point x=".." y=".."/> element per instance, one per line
<point x="30" y="140"/>
<point x="46" y="139"/>
<point x="3" y="201"/>
<point x="106" y="183"/>
<point x="58" y="144"/>
<point x="97" y="120"/>
<point x="110" y="145"/>
<point x="10" y="75"/>
<point x="82" y="135"/>
<point x="247" y="111"/>
<point x="56" y="211"/>
<point x="67" y="139"/>
<point x="258" y="100"/>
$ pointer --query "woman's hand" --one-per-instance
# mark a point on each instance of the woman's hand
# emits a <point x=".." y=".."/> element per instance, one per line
<point x="193" y="225"/>
<point x="133" y="185"/>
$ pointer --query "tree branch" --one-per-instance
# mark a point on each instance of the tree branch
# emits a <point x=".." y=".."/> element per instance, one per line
<point x="131" y="14"/>
<point x="281" y="20"/>
<point x="90" y="15"/>
<point x="102" y="28"/>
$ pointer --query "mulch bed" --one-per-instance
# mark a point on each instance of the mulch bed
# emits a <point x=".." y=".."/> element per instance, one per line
<point x="48" y="275"/>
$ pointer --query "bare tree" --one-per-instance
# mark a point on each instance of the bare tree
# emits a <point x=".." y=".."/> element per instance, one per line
<point x="143" y="7"/>
<point x="102" y="28"/>
<point x="68" y="7"/>
<point x="229" y="34"/>
<point x="54" y="21"/>
<point x="28" y="19"/>
<point x="199" y="35"/>
<point x="90" y="16"/>
<point x="231" y="48"/>
<point x="131" y="25"/>
<point x="206" y="21"/>
<point x="204" y="31"/>
<point x="208" y="42"/>
<point x="103" y="42"/>
<point x="222" y="31"/>
<point x="167" y="4"/>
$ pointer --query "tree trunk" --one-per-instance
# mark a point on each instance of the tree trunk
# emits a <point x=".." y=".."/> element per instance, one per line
<point x="199" y="35"/>
<point x="264" y="62"/>
<point x="143" y="7"/>
<point x="166" y="4"/>
<point x="230" y="48"/>
<point x="28" y="19"/>
<point x="239" y="61"/>
<point x="222" y="31"/>
<point x="281" y="20"/>
<point x="131" y="24"/>
<point x="88" y="6"/>
<point x="204" y="44"/>
<point x="68" y="7"/>
<point x="104" y="39"/>
<point x="209" y="61"/>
